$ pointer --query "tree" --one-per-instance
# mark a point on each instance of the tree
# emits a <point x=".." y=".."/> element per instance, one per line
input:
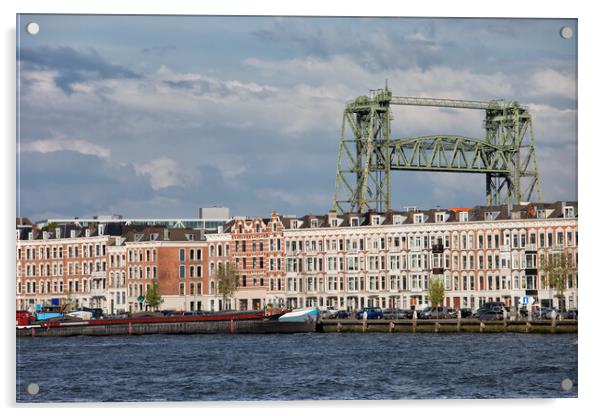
<point x="436" y="291"/>
<point x="153" y="297"/>
<point x="556" y="268"/>
<point x="227" y="281"/>
<point x="69" y="302"/>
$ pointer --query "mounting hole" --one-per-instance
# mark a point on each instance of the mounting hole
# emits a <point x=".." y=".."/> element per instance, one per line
<point x="566" y="32"/>
<point x="32" y="28"/>
<point x="566" y="384"/>
<point x="33" y="389"/>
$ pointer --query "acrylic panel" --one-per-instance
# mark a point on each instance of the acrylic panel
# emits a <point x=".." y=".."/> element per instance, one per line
<point x="236" y="208"/>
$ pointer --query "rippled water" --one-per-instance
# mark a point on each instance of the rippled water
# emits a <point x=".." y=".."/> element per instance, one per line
<point x="296" y="367"/>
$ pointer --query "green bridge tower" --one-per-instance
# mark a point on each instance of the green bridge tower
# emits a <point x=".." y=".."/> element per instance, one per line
<point x="368" y="154"/>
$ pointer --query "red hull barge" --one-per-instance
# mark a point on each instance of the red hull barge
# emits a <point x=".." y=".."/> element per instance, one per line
<point x="221" y="322"/>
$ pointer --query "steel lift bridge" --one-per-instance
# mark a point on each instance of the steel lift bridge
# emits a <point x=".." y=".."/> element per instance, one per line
<point x="368" y="154"/>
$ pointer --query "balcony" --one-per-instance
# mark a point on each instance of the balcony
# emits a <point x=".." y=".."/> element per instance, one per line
<point x="437" y="248"/>
<point x="437" y="270"/>
<point x="505" y="248"/>
<point x="98" y="293"/>
<point x="98" y="275"/>
<point x="531" y="247"/>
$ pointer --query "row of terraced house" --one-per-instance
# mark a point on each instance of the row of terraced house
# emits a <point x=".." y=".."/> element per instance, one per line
<point x="348" y="261"/>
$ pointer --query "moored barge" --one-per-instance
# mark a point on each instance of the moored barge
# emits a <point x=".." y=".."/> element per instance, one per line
<point x="242" y="322"/>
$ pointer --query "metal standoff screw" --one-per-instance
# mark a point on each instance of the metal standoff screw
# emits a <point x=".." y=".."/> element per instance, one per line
<point x="566" y="384"/>
<point x="33" y="389"/>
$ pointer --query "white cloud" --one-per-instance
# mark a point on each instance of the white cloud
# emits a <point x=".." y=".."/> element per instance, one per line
<point x="551" y="83"/>
<point x="62" y="144"/>
<point x="163" y="173"/>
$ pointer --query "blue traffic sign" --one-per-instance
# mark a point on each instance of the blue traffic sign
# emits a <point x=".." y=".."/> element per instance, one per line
<point x="525" y="300"/>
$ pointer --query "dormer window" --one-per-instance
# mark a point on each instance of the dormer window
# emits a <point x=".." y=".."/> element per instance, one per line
<point x="569" y="212"/>
<point x="314" y="223"/>
<point x="463" y="216"/>
<point x="334" y="222"/>
<point x="154" y="236"/>
<point x="294" y="224"/>
<point x="418" y="218"/>
<point x="87" y="232"/>
<point x="355" y="222"/>
<point x="439" y="217"/>
<point x="375" y="220"/>
<point x="490" y="216"/>
<point x="396" y="219"/>
<point x="138" y="237"/>
<point x="541" y="213"/>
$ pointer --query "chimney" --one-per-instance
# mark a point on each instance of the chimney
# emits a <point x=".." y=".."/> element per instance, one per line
<point x="45" y="235"/>
<point x="165" y="234"/>
<point x="220" y="229"/>
<point x="72" y="233"/>
<point x="57" y="232"/>
<point x="87" y="232"/>
<point x="30" y="236"/>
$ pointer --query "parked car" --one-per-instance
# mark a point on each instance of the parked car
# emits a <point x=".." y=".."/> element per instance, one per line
<point x="492" y="305"/>
<point x="490" y="315"/>
<point x="373" y="313"/>
<point x="570" y="314"/>
<point x="466" y="313"/>
<point x="329" y="312"/>
<point x="423" y="314"/>
<point x="342" y="314"/>
<point x="546" y="313"/>
<point x="440" y="312"/>
<point x="394" y="314"/>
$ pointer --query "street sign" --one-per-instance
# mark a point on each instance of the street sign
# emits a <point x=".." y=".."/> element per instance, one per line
<point x="140" y="299"/>
<point x="525" y="300"/>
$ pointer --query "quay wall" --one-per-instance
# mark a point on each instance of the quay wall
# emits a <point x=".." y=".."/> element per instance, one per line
<point x="448" y="326"/>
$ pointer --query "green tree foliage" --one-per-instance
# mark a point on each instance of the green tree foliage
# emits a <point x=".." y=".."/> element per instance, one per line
<point x="436" y="291"/>
<point x="227" y="281"/>
<point x="69" y="302"/>
<point x="153" y="296"/>
<point x="557" y="267"/>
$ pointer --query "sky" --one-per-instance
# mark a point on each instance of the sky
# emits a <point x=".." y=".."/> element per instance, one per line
<point x="156" y="116"/>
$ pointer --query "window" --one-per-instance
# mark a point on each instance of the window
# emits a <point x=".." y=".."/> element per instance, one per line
<point x="355" y="222"/>
<point x="182" y="254"/>
<point x="418" y="218"/>
<point x="490" y="215"/>
<point x="569" y="212"/>
<point x="463" y="216"/>
<point x="182" y="272"/>
<point x="439" y="217"/>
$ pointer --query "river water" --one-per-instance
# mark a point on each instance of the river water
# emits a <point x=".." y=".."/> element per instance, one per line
<point x="296" y="367"/>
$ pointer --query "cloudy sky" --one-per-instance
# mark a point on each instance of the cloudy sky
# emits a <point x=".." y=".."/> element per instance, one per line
<point x="158" y="116"/>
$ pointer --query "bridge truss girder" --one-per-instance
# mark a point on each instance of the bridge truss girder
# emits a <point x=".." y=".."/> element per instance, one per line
<point x="367" y="155"/>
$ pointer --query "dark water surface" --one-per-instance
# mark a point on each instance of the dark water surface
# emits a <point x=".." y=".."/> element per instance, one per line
<point x="296" y="367"/>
